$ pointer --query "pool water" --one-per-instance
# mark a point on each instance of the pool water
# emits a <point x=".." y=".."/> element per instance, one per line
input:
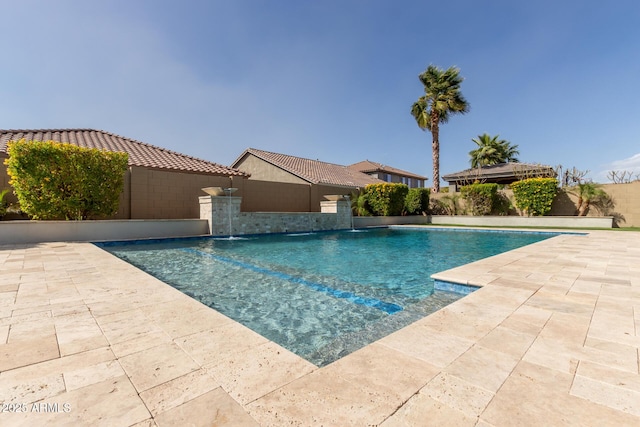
<point x="320" y="295"/>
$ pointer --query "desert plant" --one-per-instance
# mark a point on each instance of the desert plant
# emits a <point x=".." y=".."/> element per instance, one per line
<point x="63" y="181"/>
<point x="359" y="204"/>
<point x="590" y="193"/>
<point x="447" y="205"/>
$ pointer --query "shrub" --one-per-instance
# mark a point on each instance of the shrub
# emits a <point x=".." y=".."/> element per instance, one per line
<point x="534" y="196"/>
<point x="502" y="205"/>
<point x="386" y="199"/>
<point x="359" y="204"/>
<point x="447" y="205"/>
<point x="417" y="201"/>
<point x="480" y="198"/>
<point x="3" y="203"/>
<point x="54" y="180"/>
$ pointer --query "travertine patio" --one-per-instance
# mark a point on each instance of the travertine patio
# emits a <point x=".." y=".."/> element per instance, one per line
<point x="552" y="338"/>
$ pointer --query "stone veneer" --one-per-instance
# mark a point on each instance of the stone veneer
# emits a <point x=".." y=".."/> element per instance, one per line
<point x="218" y="210"/>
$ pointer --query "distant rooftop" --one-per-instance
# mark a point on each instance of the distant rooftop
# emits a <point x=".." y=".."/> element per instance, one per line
<point x="313" y="171"/>
<point x="140" y="153"/>
<point x="367" y="166"/>
<point x="501" y="172"/>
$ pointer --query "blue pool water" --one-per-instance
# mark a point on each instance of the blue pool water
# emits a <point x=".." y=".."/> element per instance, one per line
<point x="320" y="295"/>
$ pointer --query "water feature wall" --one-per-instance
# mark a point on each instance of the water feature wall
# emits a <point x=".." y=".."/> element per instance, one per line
<point x="218" y="210"/>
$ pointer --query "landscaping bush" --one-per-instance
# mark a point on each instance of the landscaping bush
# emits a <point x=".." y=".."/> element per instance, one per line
<point x="534" y="196"/>
<point x="480" y="198"/>
<point x="447" y="205"/>
<point x="417" y="201"/>
<point x="3" y="203"/>
<point x="386" y="199"/>
<point x="359" y="204"/>
<point x="502" y="205"/>
<point x="63" y="181"/>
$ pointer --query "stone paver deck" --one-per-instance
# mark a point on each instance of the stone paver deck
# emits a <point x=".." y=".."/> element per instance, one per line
<point x="552" y="338"/>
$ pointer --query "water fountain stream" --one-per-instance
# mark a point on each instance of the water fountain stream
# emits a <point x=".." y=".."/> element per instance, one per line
<point x="228" y="192"/>
<point x="348" y="199"/>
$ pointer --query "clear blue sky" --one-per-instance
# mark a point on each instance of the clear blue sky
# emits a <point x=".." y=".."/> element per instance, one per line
<point x="330" y="80"/>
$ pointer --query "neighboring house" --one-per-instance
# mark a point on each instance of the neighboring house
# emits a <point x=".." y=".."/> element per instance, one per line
<point x="389" y="174"/>
<point x="303" y="182"/>
<point x="159" y="183"/>
<point x="503" y="173"/>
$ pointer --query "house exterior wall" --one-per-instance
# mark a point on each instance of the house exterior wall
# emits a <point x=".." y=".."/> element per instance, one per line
<point x="124" y="202"/>
<point x="400" y="179"/>
<point x="158" y="194"/>
<point x="268" y="196"/>
<point x="265" y="171"/>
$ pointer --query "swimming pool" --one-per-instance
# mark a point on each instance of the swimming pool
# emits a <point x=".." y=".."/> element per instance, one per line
<point x="320" y="295"/>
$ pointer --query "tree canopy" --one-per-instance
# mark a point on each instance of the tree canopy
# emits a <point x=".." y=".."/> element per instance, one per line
<point x="492" y="151"/>
<point x="442" y="98"/>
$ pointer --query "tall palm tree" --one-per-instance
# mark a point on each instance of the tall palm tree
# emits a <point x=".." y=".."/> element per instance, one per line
<point x="492" y="151"/>
<point x="442" y="98"/>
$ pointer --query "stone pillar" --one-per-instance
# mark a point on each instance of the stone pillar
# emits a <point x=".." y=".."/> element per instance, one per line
<point x="341" y="209"/>
<point x="344" y="214"/>
<point x="218" y="211"/>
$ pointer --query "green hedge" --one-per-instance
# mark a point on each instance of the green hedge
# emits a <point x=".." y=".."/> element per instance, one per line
<point x="63" y="181"/>
<point x="417" y="201"/>
<point x="386" y="199"/>
<point x="534" y="196"/>
<point x="480" y="198"/>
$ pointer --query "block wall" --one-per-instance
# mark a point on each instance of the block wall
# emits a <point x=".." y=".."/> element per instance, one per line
<point x="158" y="194"/>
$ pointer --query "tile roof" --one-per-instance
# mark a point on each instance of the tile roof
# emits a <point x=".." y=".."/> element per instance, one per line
<point x="313" y="171"/>
<point x="367" y="166"/>
<point x="140" y="153"/>
<point x="501" y="170"/>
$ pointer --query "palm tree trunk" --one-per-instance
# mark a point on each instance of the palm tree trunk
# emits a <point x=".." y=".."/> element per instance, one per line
<point x="584" y="208"/>
<point x="435" y="148"/>
<point x="579" y="207"/>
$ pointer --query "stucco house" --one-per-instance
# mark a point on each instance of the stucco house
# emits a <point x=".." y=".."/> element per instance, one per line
<point x="159" y="183"/>
<point x="389" y="174"/>
<point x="297" y="183"/>
<point x="503" y="173"/>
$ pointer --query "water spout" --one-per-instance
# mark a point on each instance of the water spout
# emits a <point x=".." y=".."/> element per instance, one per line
<point x="228" y="192"/>
<point x="348" y="199"/>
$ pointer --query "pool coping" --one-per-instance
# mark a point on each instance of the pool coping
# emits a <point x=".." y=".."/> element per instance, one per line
<point x="551" y="336"/>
